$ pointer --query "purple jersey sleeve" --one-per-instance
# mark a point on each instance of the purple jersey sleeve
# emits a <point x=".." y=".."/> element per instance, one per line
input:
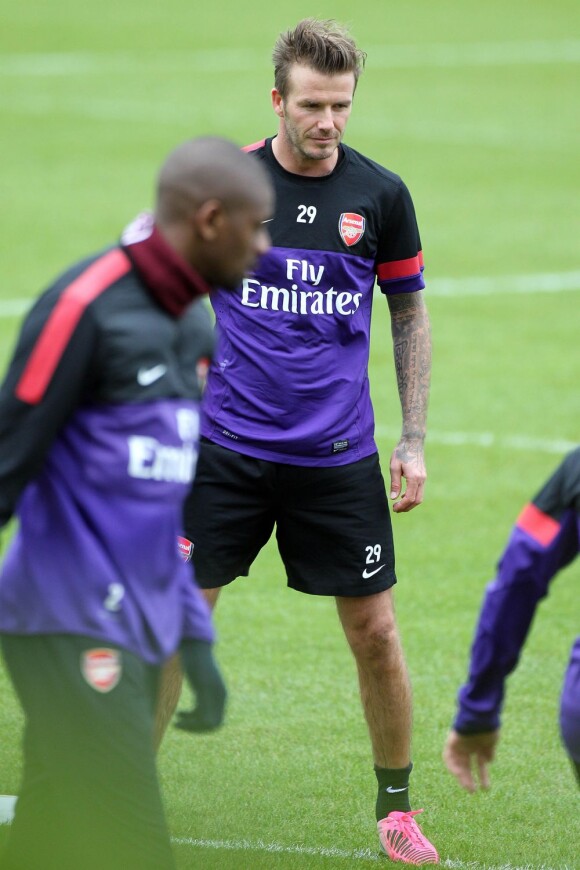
<point x="570" y="705"/>
<point x="197" y="621"/>
<point x="544" y="540"/>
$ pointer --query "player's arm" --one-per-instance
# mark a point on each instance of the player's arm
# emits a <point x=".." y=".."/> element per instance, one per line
<point x="198" y="662"/>
<point x="540" y="545"/>
<point x="411" y="334"/>
<point x="30" y="417"/>
<point x="400" y="277"/>
<point x="207" y="684"/>
<point x="543" y="541"/>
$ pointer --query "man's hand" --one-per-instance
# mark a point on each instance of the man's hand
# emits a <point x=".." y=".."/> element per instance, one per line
<point x="206" y="682"/>
<point x="408" y="461"/>
<point x="461" y="750"/>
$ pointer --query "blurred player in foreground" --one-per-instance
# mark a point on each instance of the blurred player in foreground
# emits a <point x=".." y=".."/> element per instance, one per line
<point x="287" y="414"/>
<point x="99" y="429"/>
<point x="545" y="538"/>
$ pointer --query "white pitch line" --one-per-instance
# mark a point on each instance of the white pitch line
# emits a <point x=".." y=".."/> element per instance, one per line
<point x="228" y="60"/>
<point x="543" y="282"/>
<point x="129" y="109"/>
<point x="557" y="446"/>
<point x="484" y="132"/>
<point x="331" y="852"/>
<point x="513" y="53"/>
<point x="262" y="846"/>
<point x="14" y="307"/>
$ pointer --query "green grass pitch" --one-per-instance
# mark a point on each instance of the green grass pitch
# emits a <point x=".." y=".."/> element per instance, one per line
<point x="475" y="105"/>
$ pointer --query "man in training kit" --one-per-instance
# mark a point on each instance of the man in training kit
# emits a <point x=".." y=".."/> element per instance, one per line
<point x="99" y="432"/>
<point x="545" y="538"/>
<point x="287" y="416"/>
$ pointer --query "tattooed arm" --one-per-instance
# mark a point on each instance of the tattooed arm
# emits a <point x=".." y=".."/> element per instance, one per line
<point x="412" y="348"/>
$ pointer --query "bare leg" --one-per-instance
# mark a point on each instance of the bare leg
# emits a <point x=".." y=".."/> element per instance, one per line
<point x="211" y="595"/>
<point x="171" y="683"/>
<point x="371" y="631"/>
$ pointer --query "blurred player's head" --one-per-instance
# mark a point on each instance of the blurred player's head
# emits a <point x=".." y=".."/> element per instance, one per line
<point x="316" y="69"/>
<point x="212" y="201"/>
<point x="324" y="46"/>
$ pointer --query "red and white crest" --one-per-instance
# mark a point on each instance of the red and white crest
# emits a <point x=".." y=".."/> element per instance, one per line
<point x="101" y="668"/>
<point x="185" y="547"/>
<point x="351" y="227"/>
<point x="201" y="370"/>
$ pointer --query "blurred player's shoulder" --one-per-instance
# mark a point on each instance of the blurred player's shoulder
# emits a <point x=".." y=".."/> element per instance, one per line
<point x="255" y="146"/>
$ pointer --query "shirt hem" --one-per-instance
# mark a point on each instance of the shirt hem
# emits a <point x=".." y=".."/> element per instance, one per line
<point x="344" y="458"/>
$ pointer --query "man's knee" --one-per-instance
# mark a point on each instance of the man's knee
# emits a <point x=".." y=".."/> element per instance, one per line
<point x="371" y="629"/>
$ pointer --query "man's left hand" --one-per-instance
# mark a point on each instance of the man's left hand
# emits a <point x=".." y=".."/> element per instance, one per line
<point x="408" y="461"/>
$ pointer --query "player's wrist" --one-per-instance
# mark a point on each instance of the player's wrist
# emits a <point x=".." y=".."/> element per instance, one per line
<point x="468" y="727"/>
<point x="414" y="435"/>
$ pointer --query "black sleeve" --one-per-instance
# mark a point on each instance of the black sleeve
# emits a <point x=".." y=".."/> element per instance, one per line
<point x="400" y="258"/>
<point x="28" y="427"/>
<point x="562" y="491"/>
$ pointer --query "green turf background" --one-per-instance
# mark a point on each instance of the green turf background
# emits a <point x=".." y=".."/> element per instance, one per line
<point x="476" y="106"/>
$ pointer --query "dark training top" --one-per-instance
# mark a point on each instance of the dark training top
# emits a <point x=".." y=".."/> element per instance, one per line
<point x="545" y="538"/>
<point x="289" y="381"/>
<point x="99" y="428"/>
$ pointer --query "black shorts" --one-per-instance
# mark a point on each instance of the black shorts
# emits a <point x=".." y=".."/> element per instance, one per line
<point x="333" y="526"/>
<point x="89" y="797"/>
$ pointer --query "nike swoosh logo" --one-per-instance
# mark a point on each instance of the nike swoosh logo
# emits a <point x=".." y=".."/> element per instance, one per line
<point x="366" y="573"/>
<point x="146" y="377"/>
<point x="392" y="790"/>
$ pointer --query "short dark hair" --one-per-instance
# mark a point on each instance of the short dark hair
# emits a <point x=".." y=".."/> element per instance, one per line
<point x="326" y="46"/>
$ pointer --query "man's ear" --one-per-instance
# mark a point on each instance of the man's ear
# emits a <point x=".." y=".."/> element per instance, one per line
<point x="209" y="219"/>
<point x="277" y="103"/>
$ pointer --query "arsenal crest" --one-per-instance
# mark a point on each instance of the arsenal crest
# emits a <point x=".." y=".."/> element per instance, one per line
<point x="201" y="370"/>
<point x="185" y="547"/>
<point x="101" y="668"/>
<point x="351" y="227"/>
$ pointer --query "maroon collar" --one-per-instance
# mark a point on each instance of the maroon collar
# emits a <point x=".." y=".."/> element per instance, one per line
<point x="168" y="277"/>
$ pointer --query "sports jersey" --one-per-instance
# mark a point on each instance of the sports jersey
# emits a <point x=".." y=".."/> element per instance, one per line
<point x="99" y="428"/>
<point x="289" y="380"/>
<point x="545" y="538"/>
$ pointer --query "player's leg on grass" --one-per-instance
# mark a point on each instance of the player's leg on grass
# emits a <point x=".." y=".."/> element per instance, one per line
<point x="371" y="630"/>
<point x="171" y="684"/>
<point x="212" y="595"/>
<point x="90" y="796"/>
<point x="372" y="634"/>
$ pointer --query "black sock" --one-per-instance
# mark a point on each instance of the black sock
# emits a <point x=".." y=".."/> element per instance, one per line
<point x="393" y="790"/>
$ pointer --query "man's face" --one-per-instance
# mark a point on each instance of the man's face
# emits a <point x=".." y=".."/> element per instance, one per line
<point x="243" y="239"/>
<point x="314" y="113"/>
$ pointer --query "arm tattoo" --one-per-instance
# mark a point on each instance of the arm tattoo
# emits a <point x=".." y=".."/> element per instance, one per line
<point x="412" y="349"/>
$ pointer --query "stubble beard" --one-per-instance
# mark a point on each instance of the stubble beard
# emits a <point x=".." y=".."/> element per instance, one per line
<point x="300" y="146"/>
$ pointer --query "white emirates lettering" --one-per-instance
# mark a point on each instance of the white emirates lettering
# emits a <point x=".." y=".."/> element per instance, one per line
<point x="150" y="460"/>
<point x="256" y="295"/>
<point x="296" y="300"/>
